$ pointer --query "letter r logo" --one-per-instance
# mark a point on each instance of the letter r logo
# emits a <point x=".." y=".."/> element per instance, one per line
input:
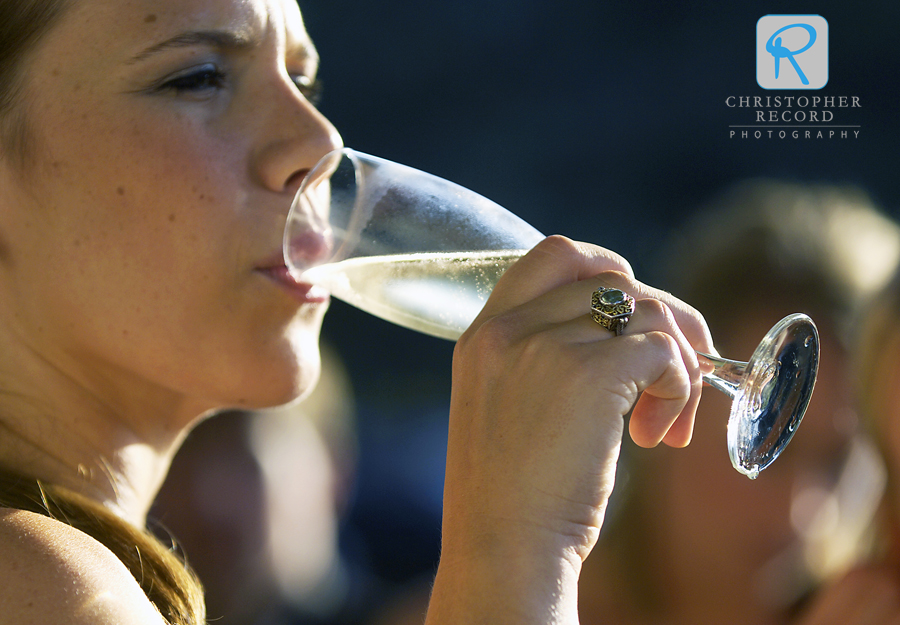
<point x="792" y="52"/>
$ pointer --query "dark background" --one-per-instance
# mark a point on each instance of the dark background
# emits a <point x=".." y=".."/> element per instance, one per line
<point x="602" y="121"/>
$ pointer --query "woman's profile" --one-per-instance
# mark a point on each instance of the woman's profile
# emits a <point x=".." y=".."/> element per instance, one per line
<point x="149" y="152"/>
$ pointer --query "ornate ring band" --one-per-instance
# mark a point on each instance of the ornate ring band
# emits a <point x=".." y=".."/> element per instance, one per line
<point x="612" y="309"/>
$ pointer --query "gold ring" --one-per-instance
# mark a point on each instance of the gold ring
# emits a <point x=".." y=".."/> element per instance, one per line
<point x="612" y="309"/>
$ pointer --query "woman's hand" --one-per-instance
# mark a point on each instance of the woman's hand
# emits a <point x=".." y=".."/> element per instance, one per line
<point x="540" y="394"/>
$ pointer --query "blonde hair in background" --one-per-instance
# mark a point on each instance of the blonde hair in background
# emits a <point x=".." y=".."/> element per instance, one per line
<point x="826" y="249"/>
<point x="876" y="364"/>
<point x="830" y="248"/>
<point x="828" y="244"/>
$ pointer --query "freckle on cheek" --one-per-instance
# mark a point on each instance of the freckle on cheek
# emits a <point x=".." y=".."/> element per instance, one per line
<point x="120" y="190"/>
<point x="172" y="217"/>
<point x="150" y="18"/>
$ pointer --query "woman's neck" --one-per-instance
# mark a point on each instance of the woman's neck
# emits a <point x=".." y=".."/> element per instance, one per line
<point x="116" y="469"/>
<point x="56" y="428"/>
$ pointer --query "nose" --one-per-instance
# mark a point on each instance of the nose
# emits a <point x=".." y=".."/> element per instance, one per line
<point x="296" y="136"/>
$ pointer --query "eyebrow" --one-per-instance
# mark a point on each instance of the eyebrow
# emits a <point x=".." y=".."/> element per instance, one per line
<point x="214" y="38"/>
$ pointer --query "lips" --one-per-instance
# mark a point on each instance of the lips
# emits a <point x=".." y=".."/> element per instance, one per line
<point x="303" y="292"/>
<point x="308" y="242"/>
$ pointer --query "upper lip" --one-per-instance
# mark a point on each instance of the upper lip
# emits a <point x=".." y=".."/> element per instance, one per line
<point x="275" y="268"/>
<point x="276" y="260"/>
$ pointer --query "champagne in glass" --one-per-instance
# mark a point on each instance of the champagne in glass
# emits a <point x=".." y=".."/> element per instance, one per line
<point x="437" y="293"/>
<point x="425" y="253"/>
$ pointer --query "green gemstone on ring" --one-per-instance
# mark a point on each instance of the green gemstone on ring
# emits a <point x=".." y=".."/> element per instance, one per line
<point x="612" y="297"/>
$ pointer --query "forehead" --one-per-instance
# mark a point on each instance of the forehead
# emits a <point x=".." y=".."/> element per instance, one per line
<point x="127" y="27"/>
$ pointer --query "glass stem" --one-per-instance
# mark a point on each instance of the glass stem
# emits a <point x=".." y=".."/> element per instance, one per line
<point x="722" y="374"/>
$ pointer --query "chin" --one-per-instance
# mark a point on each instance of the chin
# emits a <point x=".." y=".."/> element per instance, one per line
<point x="278" y="388"/>
<point x="307" y="377"/>
<point x="292" y="375"/>
<point x="273" y="369"/>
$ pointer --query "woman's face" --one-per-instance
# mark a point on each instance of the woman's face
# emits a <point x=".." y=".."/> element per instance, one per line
<point x="140" y="242"/>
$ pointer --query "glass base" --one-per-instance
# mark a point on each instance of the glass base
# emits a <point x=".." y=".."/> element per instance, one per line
<point x="773" y="396"/>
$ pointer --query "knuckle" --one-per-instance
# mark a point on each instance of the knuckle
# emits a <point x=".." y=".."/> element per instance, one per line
<point x="617" y="261"/>
<point x="558" y="244"/>
<point x="561" y="250"/>
<point x="656" y="308"/>
<point x="615" y="279"/>
<point x="702" y="327"/>
<point x="584" y="254"/>
<point x="659" y="311"/>
<point x="492" y="336"/>
<point x="663" y="342"/>
<point x="693" y="324"/>
<point x="532" y="354"/>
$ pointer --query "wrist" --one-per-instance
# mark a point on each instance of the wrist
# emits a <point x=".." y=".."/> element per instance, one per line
<point x="510" y="580"/>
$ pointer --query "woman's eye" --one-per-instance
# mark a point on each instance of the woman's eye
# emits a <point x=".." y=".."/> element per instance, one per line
<point x="309" y="88"/>
<point x="197" y="81"/>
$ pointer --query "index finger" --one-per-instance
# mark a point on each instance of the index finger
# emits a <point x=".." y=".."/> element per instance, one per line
<point x="560" y="262"/>
<point x="554" y="262"/>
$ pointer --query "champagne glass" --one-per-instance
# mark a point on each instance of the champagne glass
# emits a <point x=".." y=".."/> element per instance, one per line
<point x="425" y="253"/>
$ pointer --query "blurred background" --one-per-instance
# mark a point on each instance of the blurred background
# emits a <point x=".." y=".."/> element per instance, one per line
<point x="602" y="121"/>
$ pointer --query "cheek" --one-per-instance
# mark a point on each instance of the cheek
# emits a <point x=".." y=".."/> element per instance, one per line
<point x="153" y="150"/>
<point x="147" y="194"/>
<point x="126" y="236"/>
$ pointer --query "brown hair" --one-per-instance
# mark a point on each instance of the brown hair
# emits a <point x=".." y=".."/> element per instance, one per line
<point x="162" y="575"/>
<point x="160" y="571"/>
<point x="874" y="361"/>
<point x="22" y="24"/>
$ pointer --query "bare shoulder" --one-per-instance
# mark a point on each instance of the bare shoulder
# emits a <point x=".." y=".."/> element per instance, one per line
<point x="53" y="573"/>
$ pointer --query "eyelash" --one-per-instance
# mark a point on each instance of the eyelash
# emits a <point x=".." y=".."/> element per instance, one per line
<point x="196" y="81"/>
<point x="309" y="88"/>
<point x="210" y="77"/>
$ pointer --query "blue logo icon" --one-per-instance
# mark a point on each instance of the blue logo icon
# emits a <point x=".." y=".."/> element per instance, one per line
<point x="778" y="51"/>
<point x="798" y="39"/>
